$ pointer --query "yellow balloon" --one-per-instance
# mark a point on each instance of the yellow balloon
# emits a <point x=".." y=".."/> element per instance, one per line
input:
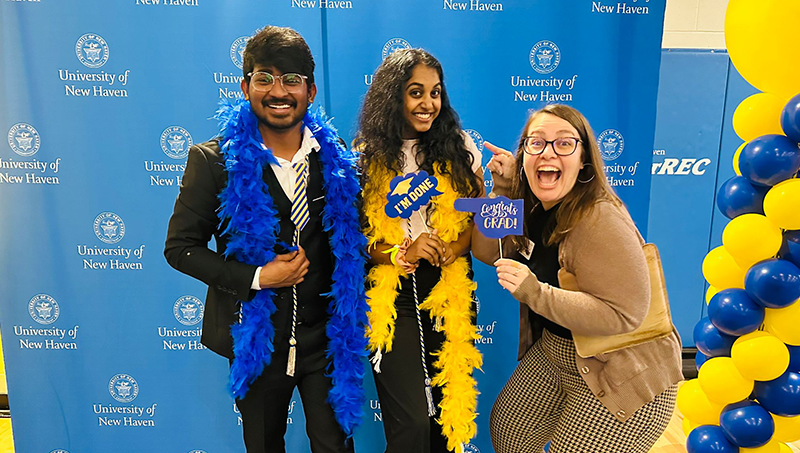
<point x="784" y="323"/>
<point x="736" y="159"/>
<point x="750" y="238"/>
<point x="710" y="293"/>
<point x="773" y="446"/>
<point x="760" y="356"/>
<point x="721" y="270"/>
<point x="759" y="114"/>
<point x="787" y="429"/>
<point x="785" y="449"/>
<point x="781" y="204"/>
<point x="722" y="382"/>
<point x="695" y="405"/>
<point x="687" y="426"/>
<point x="763" y="43"/>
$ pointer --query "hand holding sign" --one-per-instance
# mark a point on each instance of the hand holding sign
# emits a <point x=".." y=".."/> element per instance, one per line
<point x="495" y="218"/>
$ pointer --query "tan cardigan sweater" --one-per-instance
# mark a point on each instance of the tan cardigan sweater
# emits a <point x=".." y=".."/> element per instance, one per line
<point x="604" y="252"/>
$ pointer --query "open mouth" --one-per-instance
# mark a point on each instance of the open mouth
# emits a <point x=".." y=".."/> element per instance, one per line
<point x="279" y="106"/>
<point x="548" y="176"/>
<point x="424" y="116"/>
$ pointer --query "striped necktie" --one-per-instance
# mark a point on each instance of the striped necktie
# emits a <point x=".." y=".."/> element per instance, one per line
<point x="299" y="215"/>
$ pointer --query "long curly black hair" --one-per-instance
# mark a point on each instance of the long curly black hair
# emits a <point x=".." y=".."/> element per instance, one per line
<point x="382" y="123"/>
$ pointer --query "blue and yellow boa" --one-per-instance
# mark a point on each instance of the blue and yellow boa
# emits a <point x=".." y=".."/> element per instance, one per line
<point x="253" y="226"/>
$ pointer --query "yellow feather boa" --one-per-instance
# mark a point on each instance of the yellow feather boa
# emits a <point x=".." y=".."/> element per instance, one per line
<point x="450" y="300"/>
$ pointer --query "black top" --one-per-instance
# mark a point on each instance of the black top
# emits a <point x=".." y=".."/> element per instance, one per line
<point x="544" y="260"/>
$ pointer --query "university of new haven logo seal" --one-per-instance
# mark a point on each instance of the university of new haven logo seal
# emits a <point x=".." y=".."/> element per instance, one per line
<point x="188" y="310"/>
<point x="123" y="388"/>
<point x="476" y="138"/>
<point x="469" y="448"/>
<point x="176" y="141"/>
<point x="545" y="57"/>
<point x="59" y="450"/>
<point x="92" y="50"/>
<point x="109" y="227"/>
<point x="24" y="139"/>
<point x="237" y="51"/>
<point x="393" y="45"/>
<point x="43" y="309"/>
<point x="611" y="144"/>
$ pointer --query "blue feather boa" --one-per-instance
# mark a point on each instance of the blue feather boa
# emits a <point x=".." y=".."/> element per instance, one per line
<point x="253" y="225"/>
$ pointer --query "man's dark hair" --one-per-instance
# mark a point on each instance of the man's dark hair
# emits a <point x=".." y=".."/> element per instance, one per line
<point x="280" y="47"/>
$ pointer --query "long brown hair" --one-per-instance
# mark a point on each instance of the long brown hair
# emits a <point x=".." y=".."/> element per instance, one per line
<point x="579" y="201"/>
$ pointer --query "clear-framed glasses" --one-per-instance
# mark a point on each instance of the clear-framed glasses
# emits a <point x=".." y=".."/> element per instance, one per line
<point x="563" y="146"/>
<point x="263" y="81"/>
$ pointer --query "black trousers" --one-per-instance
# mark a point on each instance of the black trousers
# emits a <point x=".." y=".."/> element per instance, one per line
<point x="265" y="407"/>
<point x="401" y="382"/>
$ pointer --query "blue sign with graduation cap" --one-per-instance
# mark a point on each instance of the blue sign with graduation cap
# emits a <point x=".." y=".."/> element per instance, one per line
<point x="409" y="192"/>
<point x="495" y="218"/>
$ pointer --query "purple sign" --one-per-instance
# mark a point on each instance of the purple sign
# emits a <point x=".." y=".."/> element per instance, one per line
<point x="409" y="192"/>
<point x="497" y="217"/>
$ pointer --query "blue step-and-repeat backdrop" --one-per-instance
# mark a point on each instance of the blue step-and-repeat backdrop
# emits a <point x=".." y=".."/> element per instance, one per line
<point x="100" y="102"/>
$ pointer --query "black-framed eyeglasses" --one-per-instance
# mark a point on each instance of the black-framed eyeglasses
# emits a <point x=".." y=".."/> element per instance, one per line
<point x="562" y="146"/>
<point x="263" y="81"/>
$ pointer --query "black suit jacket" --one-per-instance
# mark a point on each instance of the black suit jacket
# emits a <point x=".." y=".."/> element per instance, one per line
<point x="193" y="223"/>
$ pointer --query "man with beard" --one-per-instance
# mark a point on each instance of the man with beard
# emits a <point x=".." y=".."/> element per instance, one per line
<point x="285" y="304"/>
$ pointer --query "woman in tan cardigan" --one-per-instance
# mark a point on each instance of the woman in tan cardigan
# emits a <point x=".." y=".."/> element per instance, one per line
<point x="618" y="401"/>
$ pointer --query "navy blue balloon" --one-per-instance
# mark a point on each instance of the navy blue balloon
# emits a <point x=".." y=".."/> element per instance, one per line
<point x="790" y="119"/>
<point x="769" y="159"/>
<point x="733" y="312"/>
<point x="773" y="283"/>
<point x="780" y="396"/>
<point x="794" y="358"/>
<point x="700" y="359"/>
<point x="710" y="341"/>
<point x="747" y="424"/>
<point x="709" y="439"/>
<point x="790" y="249"/>
<point x="737" y="196"/>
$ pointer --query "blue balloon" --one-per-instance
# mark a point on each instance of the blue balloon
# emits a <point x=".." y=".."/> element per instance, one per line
<point x="747" y="424"/>
<point x="790" y="249"/>
<point x="710" y="341"/>
<point x="733" y="312"/>
<point x="780" y="396"/>
<point x="737" y="196"/>
<point x="700" y="359"/>
<point x="769" y="159"/>
<point x="709" y="439"/>
<point x="790" y="119"/>
<point x="773" y="283"/>
<point x="794" y="358"/>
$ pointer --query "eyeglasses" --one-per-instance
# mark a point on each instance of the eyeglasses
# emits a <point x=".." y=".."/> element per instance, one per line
<point x="563" y="146"/>
<point x="263" y="81"/>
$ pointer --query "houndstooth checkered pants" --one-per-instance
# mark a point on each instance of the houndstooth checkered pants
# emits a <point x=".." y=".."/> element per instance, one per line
<point x="547" y="400"/>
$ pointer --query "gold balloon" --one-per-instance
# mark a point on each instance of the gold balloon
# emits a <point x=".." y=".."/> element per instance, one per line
<point x="759" y="114"/>
<point x="784" y="323"/>
<point x="787" y="429"/>
<point x="773" y="446"/>
<point x="721" y="270"/>
<point x="750" y="238"/>
<point x="736" y="159"/>
<point x="782" y="204"/>
<point x="722" y="382"/>
<point x="695" y="405"/>
<point x="763" y="44"/>
<point x="710" y="293"/>
<point x="760" y="356"/>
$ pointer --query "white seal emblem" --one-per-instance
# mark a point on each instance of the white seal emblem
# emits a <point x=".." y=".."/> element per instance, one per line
<point x="176" y="141"/>
<point x="188" y="310"/>
<point x="545" y="57"/>
<point x="477" y="303"/>
<point x="24" y="139"/>
<point x="109" y="227"/>
<point x="469" y="448"/>
<point x="92" y="50"/>
<point x="394" y="44"/>
<point x="237" y="51"/>
<point x="123" y="388"/>
<point x="611" y="144"/>
<point x="476" y="138"/>
<point x="43" y="309"/>
<point x="59" y="450"/>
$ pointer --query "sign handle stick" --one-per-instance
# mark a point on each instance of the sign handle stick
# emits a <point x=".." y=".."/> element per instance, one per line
<point x="500" y="244"/>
